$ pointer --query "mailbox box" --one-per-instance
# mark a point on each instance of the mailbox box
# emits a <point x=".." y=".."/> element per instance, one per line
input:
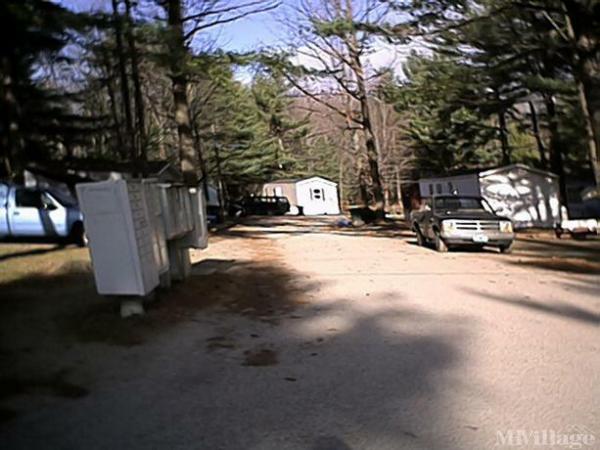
<point x="120" y="227"/>
<point x="139" y="232"/>
<point x="177" y="210"/>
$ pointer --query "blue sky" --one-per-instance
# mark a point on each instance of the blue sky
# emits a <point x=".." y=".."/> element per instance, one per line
<point x="260" y="30"/>
<point x="245" y="34"/>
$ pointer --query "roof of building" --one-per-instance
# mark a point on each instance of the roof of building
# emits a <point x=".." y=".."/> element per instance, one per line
<point x="482" y="172"/>
<point x="77" y="170"/>
<point x="517" y="166"/>
<point x="300" y="180"/>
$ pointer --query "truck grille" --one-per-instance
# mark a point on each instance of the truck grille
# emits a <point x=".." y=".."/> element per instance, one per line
<point x="477" y="225"/>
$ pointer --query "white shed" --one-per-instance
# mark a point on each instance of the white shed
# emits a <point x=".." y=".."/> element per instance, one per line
<point x="530" y="197"/>
<point x="314" y="196"/>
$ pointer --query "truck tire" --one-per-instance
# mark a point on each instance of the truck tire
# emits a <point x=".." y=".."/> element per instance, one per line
<point x="78" y="236"/>
<point x="440" y="245"/>
<point x="421" y="241"/>
<point x="506" y="249"/>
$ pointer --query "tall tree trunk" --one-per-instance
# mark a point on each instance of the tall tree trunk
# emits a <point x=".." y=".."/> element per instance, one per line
<point x="502" y="128"/>
<point x="119" y="152"/>
<point x="371" y="144"/>
<point x="341" y="178"/>
<point x="125" y="97"/>
<point x="556" y="147"/>
<point x="220" y="184"/>
<point x="137" y="90"/>
<point x="535" y="126"/>
<point x="584" y="38"/>
<point x="178" y="60"/>
<point x="11" y="143"/>
<point x="203" y="169"/>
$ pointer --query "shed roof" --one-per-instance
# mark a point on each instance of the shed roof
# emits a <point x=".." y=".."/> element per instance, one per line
<point x="300" y="180"/>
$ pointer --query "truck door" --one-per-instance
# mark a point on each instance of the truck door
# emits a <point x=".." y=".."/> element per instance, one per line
<point x="26" y="213"/>
<point x="4" y="210"/>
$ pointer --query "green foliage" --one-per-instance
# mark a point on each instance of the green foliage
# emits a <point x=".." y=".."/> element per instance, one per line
<point x="489" y="59"/>
<point x="37" y="116"/>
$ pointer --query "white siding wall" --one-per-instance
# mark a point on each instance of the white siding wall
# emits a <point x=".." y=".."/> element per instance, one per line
<point x="530" y="199"/>
<point x="317" y="196"/>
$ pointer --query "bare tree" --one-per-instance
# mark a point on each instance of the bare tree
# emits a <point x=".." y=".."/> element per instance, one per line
<point x="183" y="27"/>
<point x="125" y="94"/>
<point x="331" y="49"/>
<point x="140" y="127"/>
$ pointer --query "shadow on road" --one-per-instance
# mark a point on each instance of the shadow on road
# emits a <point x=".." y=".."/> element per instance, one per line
<point x="561" y="309"/>
<point x="276" y="374"/>
<point x="29" y="252"/>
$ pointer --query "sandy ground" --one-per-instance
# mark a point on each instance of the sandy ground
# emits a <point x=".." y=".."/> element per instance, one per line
<point x="293" y="334"/>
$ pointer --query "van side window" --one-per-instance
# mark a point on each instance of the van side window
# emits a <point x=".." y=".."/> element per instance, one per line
<point x="27" y="198"/>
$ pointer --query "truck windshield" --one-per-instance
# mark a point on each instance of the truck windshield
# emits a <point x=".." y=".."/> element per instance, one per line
<point x="63" y="198"/>
<point x="459" y="204"/>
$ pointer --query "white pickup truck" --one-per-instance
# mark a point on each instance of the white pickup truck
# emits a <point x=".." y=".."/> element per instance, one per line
<point x="39" y="213"/>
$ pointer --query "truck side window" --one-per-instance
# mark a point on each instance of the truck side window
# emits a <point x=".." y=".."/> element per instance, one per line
<point x="27" y="198"/>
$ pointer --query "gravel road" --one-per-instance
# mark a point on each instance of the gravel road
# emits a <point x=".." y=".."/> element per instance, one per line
<point x="318" y="338"/>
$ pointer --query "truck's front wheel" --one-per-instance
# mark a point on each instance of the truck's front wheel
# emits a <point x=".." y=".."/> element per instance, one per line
<point x="440" y="245"/>
<point x="78" y="235"/>
<point x="421" y="242"/>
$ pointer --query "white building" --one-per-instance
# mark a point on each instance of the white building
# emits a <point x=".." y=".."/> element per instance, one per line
<point x="530" y="197"/>
<point x="313" y="196"/>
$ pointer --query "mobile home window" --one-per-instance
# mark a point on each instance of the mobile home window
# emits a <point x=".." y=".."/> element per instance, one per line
<point x="430" y="189"/>
<point x="438" y="188"/>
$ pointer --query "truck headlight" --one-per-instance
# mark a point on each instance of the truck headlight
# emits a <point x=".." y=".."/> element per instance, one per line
<point x="506" y="226"/>
<point x="448" y="226"/>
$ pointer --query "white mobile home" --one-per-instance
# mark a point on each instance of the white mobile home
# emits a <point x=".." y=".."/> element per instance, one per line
<point x="312" y="196"/>
<point x="530" y="197"/>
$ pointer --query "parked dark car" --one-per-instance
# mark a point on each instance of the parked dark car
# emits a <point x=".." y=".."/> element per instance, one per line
<point x="449" y="221"/>
<point x="265" y="206"/>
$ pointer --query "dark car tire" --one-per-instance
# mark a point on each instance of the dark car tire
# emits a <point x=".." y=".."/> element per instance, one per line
<point x="440" y="245"/>
<point x="78" y="236"/>
<point x="506" y="249"/>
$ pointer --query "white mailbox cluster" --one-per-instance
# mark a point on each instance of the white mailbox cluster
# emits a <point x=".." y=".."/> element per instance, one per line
<point x="140" y="232"/>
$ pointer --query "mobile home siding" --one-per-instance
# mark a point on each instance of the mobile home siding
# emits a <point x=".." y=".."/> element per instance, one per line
<point x="530" y="198"/>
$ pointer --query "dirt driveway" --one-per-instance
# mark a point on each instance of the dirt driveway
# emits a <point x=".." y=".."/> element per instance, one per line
<point x="295" y="334"/>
